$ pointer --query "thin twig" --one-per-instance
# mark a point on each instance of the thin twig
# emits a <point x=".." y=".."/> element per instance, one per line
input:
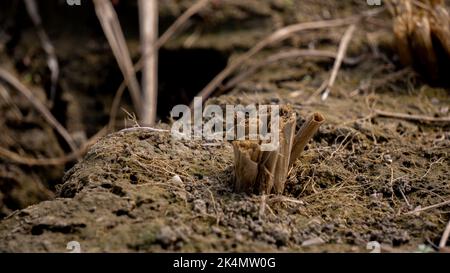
<point x="445" y="236"/>
<point x="340" y="56"/>
<point x="278" y="36"/>
<point x="16" y="84"/>
<point x="419" y="118"/>
<point x="148" y="17"/>
<point x="181" y="20"/>
<point x="52" y="60"/>
<point x="429" y="207"/>
<point x="149" y="129"/>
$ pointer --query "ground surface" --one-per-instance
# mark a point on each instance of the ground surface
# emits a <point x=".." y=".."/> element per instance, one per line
<point x="356" y="182"/>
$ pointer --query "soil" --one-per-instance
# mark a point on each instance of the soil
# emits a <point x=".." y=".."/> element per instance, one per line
<point x="140" y="190"/>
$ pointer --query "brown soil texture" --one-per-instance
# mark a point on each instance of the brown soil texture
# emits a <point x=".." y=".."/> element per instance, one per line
<point x="355" y="183"/>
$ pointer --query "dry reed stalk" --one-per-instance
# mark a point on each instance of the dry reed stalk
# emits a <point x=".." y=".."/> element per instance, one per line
<point x="305" y="133"/>
<point x="423" y="47"/>
<point x="422" y="35"/>
<point x="445" y="236"/>
<point x="176" y="26"/>
<point x="265" y="172"/>
<point x="113" y="32"/>
<point x="439" y="29"/>
<point x="148" y="15"/>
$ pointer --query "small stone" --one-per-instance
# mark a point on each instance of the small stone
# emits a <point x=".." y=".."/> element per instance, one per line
<point x="200" y="206"/>
<point x="216" y="230"/>
<point x="239" y="237"/>
<point x="387" y="158"/>
<point x="281" y="236"/>
<point x="313" y="241"/>
<point x="177" y="181"/>
<point x="166" y="236"/>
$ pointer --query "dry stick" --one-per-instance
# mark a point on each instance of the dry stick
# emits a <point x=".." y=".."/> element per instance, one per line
<point x="419" y="118"/>
<point x="340" y="56"/>
<point x="17" y="158"/>
<point x="294" y="53"/>
<point x="305" y="133"/>
<point x="52" y="60"/>
<point x="445" y="236"/>
<point x="179" y="22"/>
<point x="148" y="16"/>
<point x="16" y="84"/>
<point x="429" y="207"/>
<point x="278" y="36"/>
<point x="111" y="26"/>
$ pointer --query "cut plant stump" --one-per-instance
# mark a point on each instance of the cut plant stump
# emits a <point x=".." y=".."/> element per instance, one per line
<point x="422" y="36"/>
<point x="265" y="172"/>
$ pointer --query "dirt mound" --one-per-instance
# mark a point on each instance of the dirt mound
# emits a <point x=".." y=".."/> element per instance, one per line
<point x="346" y="191"/>
<point x="358" y="181"/>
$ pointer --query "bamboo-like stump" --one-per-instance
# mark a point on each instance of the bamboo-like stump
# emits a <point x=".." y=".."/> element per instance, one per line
<point x="265" y="172"/>
<point x="422" y="36"/>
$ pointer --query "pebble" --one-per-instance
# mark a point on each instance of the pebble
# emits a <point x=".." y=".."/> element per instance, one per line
<point x="200" y="206"/>
<point x="166" y="236"/>
<point x="313" y="241"/>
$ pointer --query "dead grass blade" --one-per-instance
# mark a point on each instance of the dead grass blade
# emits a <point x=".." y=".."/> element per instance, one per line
<point x="429" y="207"/>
